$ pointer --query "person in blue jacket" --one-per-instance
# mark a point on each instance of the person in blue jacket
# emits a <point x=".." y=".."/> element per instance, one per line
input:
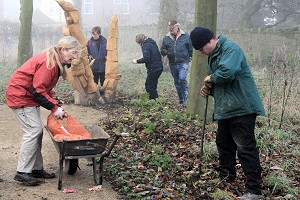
<point x="152" y="59"/>
<point x="236" y="105"/>
<point x="96" y="47"/>
<point x="177" y="46"/>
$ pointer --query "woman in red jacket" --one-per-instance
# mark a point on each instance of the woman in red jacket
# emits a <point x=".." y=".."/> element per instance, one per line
<point x="29" y="88"/>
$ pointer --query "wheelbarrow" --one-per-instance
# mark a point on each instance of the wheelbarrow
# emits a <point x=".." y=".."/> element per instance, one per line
<point x="70" y="150"/>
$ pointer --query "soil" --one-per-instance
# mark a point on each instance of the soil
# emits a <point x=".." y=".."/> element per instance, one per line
<point x="81" y="181"/>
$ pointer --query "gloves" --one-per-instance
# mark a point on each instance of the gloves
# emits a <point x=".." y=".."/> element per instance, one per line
<point x="164" y="52"/>
<point x="208" y="84"/>
<point x="134" y="61"/>
<point x="205" y="90"/>
<point x="60" y="113"/>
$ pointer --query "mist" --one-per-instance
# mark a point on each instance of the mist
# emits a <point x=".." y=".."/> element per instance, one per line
<point x="134" y="17"/>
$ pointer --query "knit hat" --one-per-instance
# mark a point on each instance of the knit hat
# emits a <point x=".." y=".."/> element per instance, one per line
<point x="200" y="37"/>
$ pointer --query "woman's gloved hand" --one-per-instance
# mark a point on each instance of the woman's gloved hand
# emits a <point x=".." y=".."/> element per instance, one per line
<point x="60" y="113"/>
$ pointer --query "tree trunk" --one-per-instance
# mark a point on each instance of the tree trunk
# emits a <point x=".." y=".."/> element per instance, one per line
<point x="250" y="7"/>
<point x="25" y="43"/>
<point x="205" y="16"/>
<point x="168" y="10"/>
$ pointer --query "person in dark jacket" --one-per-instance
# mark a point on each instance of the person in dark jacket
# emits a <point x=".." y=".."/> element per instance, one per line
<point x="178" y="47"/>
<point x="97" y="50"/>
<point x="152" y="59"/>
<point x="30" y="87"/>
<point x="236" y="105"/>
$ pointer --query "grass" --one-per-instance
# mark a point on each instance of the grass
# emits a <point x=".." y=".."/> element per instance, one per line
<point x="279" y="182"/>
<point x="222" y="195"/>
<point x="132" y="82"/>
<point x="6" y="72"/>
<point x="275" y="141"/>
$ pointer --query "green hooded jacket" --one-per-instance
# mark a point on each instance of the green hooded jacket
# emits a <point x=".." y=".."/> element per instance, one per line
<point x="234" y="89"/>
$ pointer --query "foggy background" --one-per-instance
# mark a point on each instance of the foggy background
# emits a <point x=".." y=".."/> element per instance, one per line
<point x="270" y="18"/>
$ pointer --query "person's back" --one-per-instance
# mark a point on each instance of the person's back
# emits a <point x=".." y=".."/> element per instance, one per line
<point x="233" y="83"/>
<point x="152" y="59"/>
<point x="151" y="56"/>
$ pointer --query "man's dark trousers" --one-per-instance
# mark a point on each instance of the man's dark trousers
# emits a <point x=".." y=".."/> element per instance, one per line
<point x="237" y="135"/>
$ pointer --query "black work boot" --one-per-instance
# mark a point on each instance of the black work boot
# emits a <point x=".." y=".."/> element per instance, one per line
<point x="227" y="176"/>
<point x="42" y="174"/>
<point x="27" y="179"/>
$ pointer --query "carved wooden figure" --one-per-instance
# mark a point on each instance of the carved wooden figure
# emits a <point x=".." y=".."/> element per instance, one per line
<point x="82" y="76"/>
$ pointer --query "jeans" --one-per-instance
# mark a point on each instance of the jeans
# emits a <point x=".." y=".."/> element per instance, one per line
<point x="151" y="84"/>
<point x="237" y="135"/>
<point x="179" y="73"/>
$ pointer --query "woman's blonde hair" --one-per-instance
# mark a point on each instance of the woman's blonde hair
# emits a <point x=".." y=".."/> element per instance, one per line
<point x="67" y="42"/>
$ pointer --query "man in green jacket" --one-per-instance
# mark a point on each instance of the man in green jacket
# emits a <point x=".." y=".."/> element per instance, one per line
<point x="236" y="105"/>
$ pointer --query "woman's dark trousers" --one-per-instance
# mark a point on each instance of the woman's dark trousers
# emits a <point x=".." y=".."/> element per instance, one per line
<point x="151" y="84"/>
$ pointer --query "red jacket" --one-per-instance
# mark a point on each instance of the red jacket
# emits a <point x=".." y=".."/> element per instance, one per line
<point x="32" y="84"/>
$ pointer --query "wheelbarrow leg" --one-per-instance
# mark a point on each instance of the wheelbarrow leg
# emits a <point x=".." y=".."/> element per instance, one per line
<point x="61" y="160"/>
<point x="101" y="170"/>
<point x="95" y="170"/>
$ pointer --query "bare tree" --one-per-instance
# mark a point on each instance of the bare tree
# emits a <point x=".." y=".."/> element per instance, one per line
<point x="25" y="42"/>
<point x="282" y="11"/>
<point x="268" y="13"/>
<point x="257" y="13"/>
<point x="168" y="10"/>
<point x="250" y="7"/>
<point x="229" y="13"/>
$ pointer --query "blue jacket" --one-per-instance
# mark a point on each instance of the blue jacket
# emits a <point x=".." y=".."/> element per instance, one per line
<point x="180" y="50"/>
<point x="234" y="89"/>
<point x="98" y="54"/>
<point x="151" y="56"/>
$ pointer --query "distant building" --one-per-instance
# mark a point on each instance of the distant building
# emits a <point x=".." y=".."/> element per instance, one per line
<point x="93" y="12"/>
<point x="130" y="12"/>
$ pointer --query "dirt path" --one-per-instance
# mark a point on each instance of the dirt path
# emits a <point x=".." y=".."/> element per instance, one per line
<point x="81" y="181"/>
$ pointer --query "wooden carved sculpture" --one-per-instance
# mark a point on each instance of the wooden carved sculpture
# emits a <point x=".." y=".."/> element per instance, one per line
<point x="81" y="74"/>
<point x="111" y="70"/>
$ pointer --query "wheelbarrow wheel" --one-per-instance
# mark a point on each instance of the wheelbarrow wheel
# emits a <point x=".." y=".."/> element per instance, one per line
<point x="71" y="166"/>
